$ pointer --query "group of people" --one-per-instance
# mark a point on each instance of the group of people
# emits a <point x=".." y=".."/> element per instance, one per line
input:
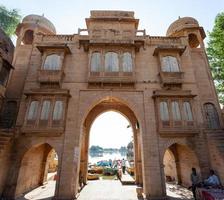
<point x="118" y="164"/>
<point x="212" y="181"/>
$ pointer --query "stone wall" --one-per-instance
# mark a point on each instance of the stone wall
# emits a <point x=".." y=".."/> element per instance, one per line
<point x="170" y="169"/>
<point x="187" y="160"/>
<point x="31" y="170"/>
<point x="5" y="162"/>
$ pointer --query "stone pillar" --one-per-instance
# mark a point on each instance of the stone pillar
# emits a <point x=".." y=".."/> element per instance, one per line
<point x="136" y="154"/>
<point x="139" y="162"/>
<point x="152" y="169"/>
<point x="69" y="164"/>
<point x="68" y="175"/>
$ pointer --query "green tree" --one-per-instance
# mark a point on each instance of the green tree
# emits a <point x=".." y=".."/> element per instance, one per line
<point x="9" y="19"/>
<point x="215" y="52"/>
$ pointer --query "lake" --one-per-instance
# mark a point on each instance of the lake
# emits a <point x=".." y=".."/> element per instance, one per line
<point x="106" y="156"/>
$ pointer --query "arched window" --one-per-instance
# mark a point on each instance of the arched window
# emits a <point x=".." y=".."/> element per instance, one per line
<point x="187" y="111"/>
<point x="127" y="62"/>
<point x="52" y="62"/>
<point x="58" y="110"/>
<point x="33" y="111"/>
<point x="95" y="62"/>
<point x="28" y="37"/>
<point x="193" y="41"/>
<point x="45" y="111"/>
<point x="170" y="64"/>
<point x="164" y="113"/>
<point x="111" y="62"/>
<point x="175" y="111"/>
<point x="212" y="116"/>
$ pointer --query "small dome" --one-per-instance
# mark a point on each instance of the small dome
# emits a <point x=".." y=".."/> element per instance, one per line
<point x="41" y="21"/>
<point x="181" y="23"/>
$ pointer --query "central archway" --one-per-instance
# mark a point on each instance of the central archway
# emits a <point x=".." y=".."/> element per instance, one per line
<point x="110" y="104"/>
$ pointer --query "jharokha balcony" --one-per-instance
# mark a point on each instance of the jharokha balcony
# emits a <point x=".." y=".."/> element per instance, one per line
<point x="111" y="77"/>
<point x="171" y="78"/>
<point x="50" y="76"/>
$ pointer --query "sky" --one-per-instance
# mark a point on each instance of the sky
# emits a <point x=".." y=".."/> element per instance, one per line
<point x="110" y="130"/>
<point x="155" y="16"/>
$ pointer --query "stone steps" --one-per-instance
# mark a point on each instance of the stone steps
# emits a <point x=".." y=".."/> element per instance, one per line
<point x="217" y="140"/>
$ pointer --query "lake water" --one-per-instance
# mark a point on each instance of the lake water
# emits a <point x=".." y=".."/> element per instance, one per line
<point x="106" y="156"/>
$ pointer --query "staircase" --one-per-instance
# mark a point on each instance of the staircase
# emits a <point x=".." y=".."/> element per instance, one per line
<point x="216" y="149"/>
<point x="217" y="139"/>
<point x="4" y="141"/>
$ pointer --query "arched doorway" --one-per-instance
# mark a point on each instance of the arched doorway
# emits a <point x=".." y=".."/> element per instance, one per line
<point x="38" y="167"/>
<point x="110" y="135"/>
<point x="111" y="104"/>
<point x="178" y="162"/>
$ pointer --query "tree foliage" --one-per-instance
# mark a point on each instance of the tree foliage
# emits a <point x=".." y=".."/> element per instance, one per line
<point x="9" y="19"/>
<point x="215" y="52"/>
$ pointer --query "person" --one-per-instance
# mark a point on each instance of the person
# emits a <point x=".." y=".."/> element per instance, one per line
<point x="123" y="165"/>
<point x="195" y="180"/>
<point x="110" y="162"/>
<point x="212" y="180"/>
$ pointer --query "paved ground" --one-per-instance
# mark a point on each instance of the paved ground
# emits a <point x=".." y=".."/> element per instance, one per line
<point x="127" y="179"/>
<point x="108" y="190"/>
<point x="178" y="192"/>
<point x="105" y="190"/>
<point x="45" y="192"/>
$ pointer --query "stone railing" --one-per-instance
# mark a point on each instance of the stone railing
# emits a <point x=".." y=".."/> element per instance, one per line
<point x="50" y="76"/>
<point x="111" y="35"/>
<point x="165" y="40"/>
<point x="54" y="38"/>
<point x="171" y="78"/>
<point x="111" y="77"/>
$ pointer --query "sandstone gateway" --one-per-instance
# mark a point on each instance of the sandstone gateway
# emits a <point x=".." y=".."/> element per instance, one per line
<point x="61" y="83"/>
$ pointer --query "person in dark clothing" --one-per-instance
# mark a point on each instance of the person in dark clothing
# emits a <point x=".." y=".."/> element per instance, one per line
<point x="123" y="165"/>
<point x="195" y="180"/>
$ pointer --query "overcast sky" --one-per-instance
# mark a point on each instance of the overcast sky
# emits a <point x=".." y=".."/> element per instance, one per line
<point x="110" y="129"/>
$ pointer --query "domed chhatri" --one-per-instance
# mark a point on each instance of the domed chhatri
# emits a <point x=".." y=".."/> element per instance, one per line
<point x="41" y="21"/>
<point x="182" y="23"/>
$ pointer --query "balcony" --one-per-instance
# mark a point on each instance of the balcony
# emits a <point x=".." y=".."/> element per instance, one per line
<point x="111" y="77"/>
<point x="50" y="76"/>
<point x="43" y="131"/>
<point x="40" y="127"/>
<point x="171" y="78"/>
<point x="180" y="128"/>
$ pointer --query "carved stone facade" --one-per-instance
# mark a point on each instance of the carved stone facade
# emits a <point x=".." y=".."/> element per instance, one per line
<point x="162" y="84"/>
